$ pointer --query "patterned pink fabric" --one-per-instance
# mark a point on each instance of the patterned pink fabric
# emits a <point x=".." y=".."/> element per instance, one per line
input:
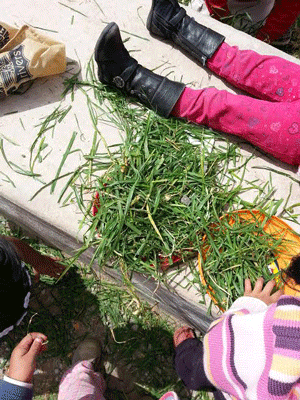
<point x="252" y="352"/>
<point x="82" y="383"/>
<point x="271" y="121"/>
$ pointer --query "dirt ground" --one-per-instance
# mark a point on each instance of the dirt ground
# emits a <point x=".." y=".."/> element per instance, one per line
<point x="130" y="356"/>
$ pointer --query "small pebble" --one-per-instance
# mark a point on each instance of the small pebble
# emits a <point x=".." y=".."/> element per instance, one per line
<point x="186" y="200"/>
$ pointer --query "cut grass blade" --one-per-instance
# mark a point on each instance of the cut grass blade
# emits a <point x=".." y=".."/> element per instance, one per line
<point x="49" y="123"/>
<point x="16" y="168"/>
<point x="73" y="9"/>
<point x="63" y="160"/>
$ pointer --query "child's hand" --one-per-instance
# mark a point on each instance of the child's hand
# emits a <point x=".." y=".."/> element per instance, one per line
<point x="23" y="358"/>
<point x="262" y="293"/>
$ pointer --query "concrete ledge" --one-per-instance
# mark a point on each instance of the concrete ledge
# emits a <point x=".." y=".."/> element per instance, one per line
<point x="78" y="24"/>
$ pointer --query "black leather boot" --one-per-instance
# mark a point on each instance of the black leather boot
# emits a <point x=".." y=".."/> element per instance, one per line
<point x="168" y="20"/>
<point x="116" y="67"/>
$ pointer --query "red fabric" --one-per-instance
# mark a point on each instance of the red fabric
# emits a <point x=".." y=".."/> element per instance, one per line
<point x="217" y="8"/>
<point x="281" y="18"/>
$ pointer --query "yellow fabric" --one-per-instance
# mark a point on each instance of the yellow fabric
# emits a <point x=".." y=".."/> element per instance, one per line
<point x="286" y="365"/>
<point x="287" y="315"/>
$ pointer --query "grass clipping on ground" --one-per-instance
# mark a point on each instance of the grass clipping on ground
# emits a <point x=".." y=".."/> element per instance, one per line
<point x="158" y="191"/>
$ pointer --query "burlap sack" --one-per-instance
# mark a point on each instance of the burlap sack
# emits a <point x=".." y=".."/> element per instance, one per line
<point x="25" y="54"/>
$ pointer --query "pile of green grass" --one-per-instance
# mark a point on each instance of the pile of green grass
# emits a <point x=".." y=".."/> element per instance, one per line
<point x="163" y="186"/>
<point x="159" y="190"/>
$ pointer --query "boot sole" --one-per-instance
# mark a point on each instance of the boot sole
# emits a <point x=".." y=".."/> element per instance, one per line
<point x="101" y="41"/>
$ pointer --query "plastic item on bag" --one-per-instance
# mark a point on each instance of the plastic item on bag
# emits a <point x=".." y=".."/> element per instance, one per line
<point x="273" y="226"/>
<point x="25" y="55"/>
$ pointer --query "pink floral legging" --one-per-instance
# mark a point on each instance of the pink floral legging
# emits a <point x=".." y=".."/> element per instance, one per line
<point x="81" y="382"/>
<point x="271" y="121"/>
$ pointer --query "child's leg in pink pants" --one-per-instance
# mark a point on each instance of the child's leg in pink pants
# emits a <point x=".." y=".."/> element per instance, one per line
<point x="273" y="123"/>
<point x="265" y="77"/>
<point x="82" y="382"/>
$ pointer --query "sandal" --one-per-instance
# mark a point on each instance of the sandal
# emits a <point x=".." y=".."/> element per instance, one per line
<point x="169" y="396"/>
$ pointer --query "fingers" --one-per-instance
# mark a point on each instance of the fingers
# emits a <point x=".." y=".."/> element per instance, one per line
<point x="34" y="335"/>
<point x="258" y="285"/>
<point x="275" y="296"/>
<point x="262" y="292"/>
<point x="37" y="344"/>
<point x="248" y="287"/>
<point x="269" y="287"/>
<point x="24" y="346"/>
<point x="23" y="358"/>
<point x="36" y="347"/>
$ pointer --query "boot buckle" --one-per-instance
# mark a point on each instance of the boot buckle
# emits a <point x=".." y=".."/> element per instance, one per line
<point x="119" y="82"/>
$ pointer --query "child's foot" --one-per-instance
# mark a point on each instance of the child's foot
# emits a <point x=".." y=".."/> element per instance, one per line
<point x="113" y="58"/>
<point x="169" y="396"/>
<point x="169" y="21"/>
<point x="117" y="68"/>
<point x="183" y="333"/>
<point x="88" y="350"/>
<point x="165" y="18"/>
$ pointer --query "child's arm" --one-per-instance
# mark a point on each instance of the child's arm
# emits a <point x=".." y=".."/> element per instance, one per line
<point x="17" y="383"/>
<point x="41" y="264"/>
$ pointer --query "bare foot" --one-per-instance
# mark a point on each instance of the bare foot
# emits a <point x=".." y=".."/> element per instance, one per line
<point x="183" y="333"/>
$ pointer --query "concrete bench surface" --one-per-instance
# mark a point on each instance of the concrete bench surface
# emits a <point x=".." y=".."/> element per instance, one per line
<point x="78" y="24"/>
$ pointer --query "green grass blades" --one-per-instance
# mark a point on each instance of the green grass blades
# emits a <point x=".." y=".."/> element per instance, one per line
<point x="159" y="192"/>
<point x="235" y="251"/>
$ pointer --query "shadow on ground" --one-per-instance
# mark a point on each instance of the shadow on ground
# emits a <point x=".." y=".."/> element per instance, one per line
<point x="137" y="355"/>
<point x="39" y="92"/>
